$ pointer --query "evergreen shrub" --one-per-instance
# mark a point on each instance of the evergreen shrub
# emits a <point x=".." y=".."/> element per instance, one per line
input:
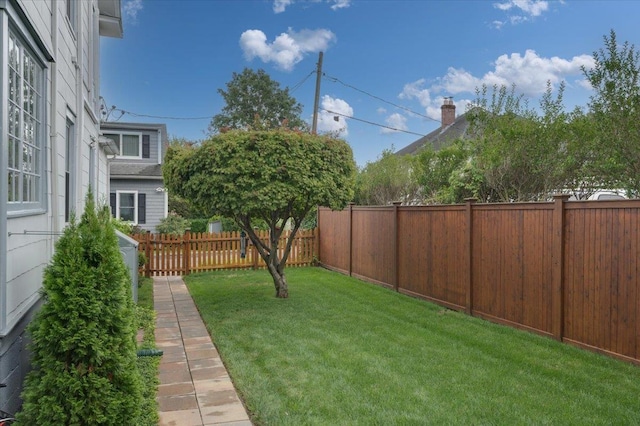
<point x="83" y="339"/>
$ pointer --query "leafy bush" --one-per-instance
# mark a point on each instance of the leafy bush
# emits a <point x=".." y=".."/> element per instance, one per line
<point x="84" y="337"/>
<point x="122" y="225"/>
<point x="173" y="224"/>
<point x="199" y="225"/>
<point x="142" y="259"/>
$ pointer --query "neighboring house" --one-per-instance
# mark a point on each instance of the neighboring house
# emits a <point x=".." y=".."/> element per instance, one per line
<point x="50" y="150"/>
<point x="452" y="128"/>
<point x="137" y="192"/>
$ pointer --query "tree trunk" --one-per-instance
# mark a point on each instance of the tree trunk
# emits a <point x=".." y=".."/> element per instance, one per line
<point x="279" y="280"/>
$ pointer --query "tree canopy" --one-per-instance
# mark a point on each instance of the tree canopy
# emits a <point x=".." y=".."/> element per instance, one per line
<point x="615" y="113"/>
<point x="256" y="102"/>
<point x="271" y="175"/>
<point x="388" y="179"/>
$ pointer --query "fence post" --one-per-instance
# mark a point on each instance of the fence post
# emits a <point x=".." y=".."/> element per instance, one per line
<point x="557" y="273"/>
<point x="147" y="253"/>
<point x="350" y="235"/>
<point x="469" y="202"/>
<point x="396" y="243"/>
<point x="186" y="242"/>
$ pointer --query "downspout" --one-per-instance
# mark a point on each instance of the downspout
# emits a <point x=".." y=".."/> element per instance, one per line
<point x="55" y="211"/>
<point x="79" y="128"/>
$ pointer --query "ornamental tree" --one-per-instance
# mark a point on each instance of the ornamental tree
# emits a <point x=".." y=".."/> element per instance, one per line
<point x="273" y="176"/>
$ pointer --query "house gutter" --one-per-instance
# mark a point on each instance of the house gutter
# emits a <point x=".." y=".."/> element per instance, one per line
<point x="54" y="130"/>
<point x="79" y="127"/>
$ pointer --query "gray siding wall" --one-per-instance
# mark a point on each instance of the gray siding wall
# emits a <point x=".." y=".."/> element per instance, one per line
<point x="155" y="199"/>
<point x="15" y="362"/>
<point x="153" y="139"/>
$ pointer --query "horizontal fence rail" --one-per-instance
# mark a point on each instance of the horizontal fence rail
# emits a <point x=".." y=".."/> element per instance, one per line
<point x="199" y="252"/>
<point x="567" y="270"/>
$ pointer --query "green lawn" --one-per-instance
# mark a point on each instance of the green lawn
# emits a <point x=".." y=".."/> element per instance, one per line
<point x="341" y="352"/>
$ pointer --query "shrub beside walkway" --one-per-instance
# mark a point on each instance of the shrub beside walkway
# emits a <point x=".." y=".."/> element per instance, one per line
<point x="195" y="388"/>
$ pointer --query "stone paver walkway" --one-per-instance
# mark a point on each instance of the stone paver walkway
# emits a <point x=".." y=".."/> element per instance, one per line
<point x="195" y="389"/>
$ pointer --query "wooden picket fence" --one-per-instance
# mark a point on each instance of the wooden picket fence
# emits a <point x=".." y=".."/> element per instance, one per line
<point x="199" y="252"/>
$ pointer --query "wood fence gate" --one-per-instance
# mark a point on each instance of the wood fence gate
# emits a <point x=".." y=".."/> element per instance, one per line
<point x="198" y="252"/>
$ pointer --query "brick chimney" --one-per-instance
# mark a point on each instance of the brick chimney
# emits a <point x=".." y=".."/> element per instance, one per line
<point x="448" y="112"/>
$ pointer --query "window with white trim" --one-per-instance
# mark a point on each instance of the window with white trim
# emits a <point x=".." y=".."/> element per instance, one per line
<point x="127" y="205"/>
<point x="25" y="134"/>
<point x="129" y="144"/>
<point x="72" y="11"/>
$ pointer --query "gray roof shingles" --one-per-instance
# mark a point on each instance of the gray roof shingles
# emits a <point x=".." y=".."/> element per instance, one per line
<point x="140" y="170"/>
<point x="439" y="137"/>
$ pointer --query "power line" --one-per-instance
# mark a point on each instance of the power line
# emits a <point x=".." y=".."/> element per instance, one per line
<point x="337" y="80"/>
<point x="372" y="123"/>
<point x="160" y="116"/>
<point x="297" y="86"/>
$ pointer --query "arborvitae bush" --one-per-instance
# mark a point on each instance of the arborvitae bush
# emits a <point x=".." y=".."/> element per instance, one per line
<point x="83" y="339"/>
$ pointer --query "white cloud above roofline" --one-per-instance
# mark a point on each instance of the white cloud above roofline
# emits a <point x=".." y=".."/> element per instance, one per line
<point x="529" y="72"/>
<point x="287" y="49"/>
<point x="279" y="6"/>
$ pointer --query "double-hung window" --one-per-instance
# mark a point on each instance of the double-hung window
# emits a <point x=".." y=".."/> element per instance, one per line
<point x="129" y="206"/>
<point x="130" y="144"/>
<point x="24" y="110"/>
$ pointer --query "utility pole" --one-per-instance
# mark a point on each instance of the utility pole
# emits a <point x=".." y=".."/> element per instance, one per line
<point x="316" y="101"/>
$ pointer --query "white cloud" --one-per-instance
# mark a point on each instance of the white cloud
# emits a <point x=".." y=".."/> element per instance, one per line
<point x="340" y="4"/>
<point x="131" y="9"/>
<point x="584" y="83"/>
<point x="529" y="7"/>
<point x="529" y="72"/>
<point x="523" y="10"/>
<point x="416" y="90"/>
<point x="397" y="121"/>
<point x="279" y="6"/>
<point x="327" y="121"/>
<point x="288" y="48"/>
<point x="381" y="110"/>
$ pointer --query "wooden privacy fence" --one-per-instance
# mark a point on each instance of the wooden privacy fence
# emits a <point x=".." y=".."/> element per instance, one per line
<point x="568" y="270"/>
<point x="199" y="252"/>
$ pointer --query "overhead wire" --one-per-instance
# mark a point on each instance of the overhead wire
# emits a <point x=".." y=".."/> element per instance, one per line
<point x="371" y="122"/>
<point x="337" y="80"/>
<point x="135" y="114"/>
<point x="297" y="85"/>
<point x="160" y="116"/>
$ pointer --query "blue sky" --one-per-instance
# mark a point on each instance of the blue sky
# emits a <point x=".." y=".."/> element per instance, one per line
<point x="385" y="62"/>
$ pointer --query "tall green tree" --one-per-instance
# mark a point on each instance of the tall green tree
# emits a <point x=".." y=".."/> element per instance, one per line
<point x="390" y="178"/>
<point x="615" y="109"/>
<point x="254" y="101"/>
<point x="449" y="175"/>
<point x="83" y="338"/>
<point x="274" y="176"/>
<point x="516" y="149"/>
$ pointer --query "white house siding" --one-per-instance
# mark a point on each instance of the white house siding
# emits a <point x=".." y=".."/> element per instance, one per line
<point x="156" y="201"/>
<point x="27" y="239"/>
